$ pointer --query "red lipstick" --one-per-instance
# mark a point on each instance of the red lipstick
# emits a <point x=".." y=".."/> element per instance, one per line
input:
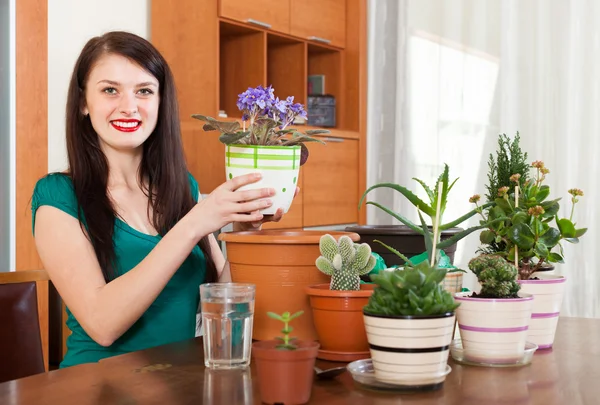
<point x="126" y="125"/>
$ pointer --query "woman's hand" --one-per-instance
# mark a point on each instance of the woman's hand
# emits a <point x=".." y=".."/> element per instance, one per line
<point x="256" y="225"/>
<point x="227" y="204"/>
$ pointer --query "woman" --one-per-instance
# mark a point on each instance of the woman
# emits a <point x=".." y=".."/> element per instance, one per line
<point x="122" y="234"/>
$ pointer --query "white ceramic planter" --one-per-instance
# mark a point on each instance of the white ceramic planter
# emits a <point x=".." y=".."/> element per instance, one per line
<point x="494" y="330"/>
<point x="409" y="350"/>
<point x="548" y="292"/>
<point x="279" y="166"/>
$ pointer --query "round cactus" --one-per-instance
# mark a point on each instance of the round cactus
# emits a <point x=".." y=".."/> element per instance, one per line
<point x="496" y="276"/>
<point x="345" y="261"/>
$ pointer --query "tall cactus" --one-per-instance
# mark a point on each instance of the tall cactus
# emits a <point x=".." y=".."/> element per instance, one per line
<point x="345" y="261"/>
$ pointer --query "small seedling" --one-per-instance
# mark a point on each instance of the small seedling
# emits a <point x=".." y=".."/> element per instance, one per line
<point x="287" y="329"/>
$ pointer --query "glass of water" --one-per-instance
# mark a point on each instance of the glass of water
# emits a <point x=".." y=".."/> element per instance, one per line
<point x="227" y="315"/>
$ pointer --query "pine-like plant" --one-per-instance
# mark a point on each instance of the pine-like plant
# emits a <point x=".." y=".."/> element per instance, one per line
<point x="345" y="261"/>
<point x="510" y="160"/>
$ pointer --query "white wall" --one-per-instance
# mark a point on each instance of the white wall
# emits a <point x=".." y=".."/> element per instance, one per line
<point x="71" y="23"/>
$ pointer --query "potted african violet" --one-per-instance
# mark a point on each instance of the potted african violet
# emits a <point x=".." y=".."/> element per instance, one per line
<point x="494" y="322"/>
<point x="268" y="145"/>
<point x="410" y="322"/>
<point x="337" y="306"/>
<point x="285" y="365"/>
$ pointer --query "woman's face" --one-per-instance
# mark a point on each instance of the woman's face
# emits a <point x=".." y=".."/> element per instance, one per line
<point x="122" y="100"/>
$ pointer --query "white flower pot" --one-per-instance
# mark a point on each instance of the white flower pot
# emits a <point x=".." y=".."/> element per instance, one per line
<point x="548" y="292"/>
<point x="494" y="330"/>
<point x="453" y="282"/>
<point x="279" y="166"/>
<point x="409" y="350"/>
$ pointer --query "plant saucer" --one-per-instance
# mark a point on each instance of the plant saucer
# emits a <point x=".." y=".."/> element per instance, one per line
<point x="363" y="374"/>
<point x="460" y="356"/>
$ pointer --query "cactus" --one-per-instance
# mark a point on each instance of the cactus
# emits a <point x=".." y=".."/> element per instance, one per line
<point x="496" y="276"/>
<point x="345" y="261"/>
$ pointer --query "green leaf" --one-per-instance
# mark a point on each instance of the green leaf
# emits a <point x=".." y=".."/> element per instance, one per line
<point x="463" y="218"/>
<point x="519" y="218"/>
<point x="399" y="217"/>
<point x="428" y="238"/>
<point x="232" y="138"/>
<point x="456" y="237"/>
<point x="522" y="235"/>
<point x="394" y="251"/>
<point x="551" y="237"/>
<point x="296" y="315"/>
<point x="416" y="201"/>
<point x="503" y="204"/>
<point x="542" y="193"/>
<point x="426" y="188"/>
<point x="274" y="316"/>
<point x="555" y="258"/>
<point x="580" y="232"/>
<point x="301" y="139"/>
<point x="537" y="226"/>
<point x="541" y="250"/>
<point x="566" y="227"/>
<point x="550" y="207"/>
<point x="208" y="127"/>
<point x="486" y="237"/>
<point x="317" y="132"/>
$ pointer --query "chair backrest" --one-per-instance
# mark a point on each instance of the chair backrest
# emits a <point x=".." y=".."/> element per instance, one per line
<point x="21" y="314"/>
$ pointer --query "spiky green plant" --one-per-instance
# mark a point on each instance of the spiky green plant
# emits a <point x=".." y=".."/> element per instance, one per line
<point x="345" y="261"/>
<point x="496" y="276"/>
<point x="509" y="160"/>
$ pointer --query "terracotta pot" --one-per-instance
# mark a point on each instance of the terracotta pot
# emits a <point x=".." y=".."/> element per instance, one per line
<point x="548" y="292"/>
<point x="281" y="264"/>
<point x="494" y="330"/>
<point x="401" y="238"/>
<point x="335" y="311"/>
<point x="285" y="376"/>
<point x="410" y="350"/>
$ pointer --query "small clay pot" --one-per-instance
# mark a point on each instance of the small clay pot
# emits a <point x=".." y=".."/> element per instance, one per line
<point x="285" y="376"/>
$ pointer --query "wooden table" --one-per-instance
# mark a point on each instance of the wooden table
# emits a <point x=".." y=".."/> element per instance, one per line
<point x="175" y="375"/>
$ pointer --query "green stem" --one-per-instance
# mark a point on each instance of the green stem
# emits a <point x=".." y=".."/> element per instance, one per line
<point x="572" y="209"/>
<point x="286" y="336"/>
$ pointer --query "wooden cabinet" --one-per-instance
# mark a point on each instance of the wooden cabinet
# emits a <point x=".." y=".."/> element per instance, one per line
<point x="331" y="183"/>
<point x="216" y="53"/>
<point x="269" y="14"/>
<point x="319" y="20"/>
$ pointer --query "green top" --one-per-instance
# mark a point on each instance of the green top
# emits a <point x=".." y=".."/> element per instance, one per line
<point x="170" y="318"/>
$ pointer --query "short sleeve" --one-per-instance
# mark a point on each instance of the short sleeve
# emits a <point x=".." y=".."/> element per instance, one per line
<point x="194" y="187"/>
<point x="56" y="190"/>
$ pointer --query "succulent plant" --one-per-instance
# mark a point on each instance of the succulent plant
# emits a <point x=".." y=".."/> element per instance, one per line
<point x="496" y="276"/>
<point x="415" y="290"/>
<point x="286" y="317"/>
<point x="345" y="261"/>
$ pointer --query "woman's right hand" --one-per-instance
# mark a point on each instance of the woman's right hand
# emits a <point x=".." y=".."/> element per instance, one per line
<point x="227" y="204"/>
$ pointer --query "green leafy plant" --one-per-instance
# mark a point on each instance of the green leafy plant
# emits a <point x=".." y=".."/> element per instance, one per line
<point x="286" y="318"/>
<point x="415" y="290"/>
<point x="269" y="119"/>
<point x="531" y="229"/>
<point x="345" y="261"/>
<point x="431" y="208"/>
<point x="509" y="160"/>
<point x="496" y="276"/>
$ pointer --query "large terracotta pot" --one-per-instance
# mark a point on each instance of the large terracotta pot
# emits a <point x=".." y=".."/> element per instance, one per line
<point x="337" y="311"/>
<point x="401" y="238"/>
<point x="281" y="264"/>
<point x="285" y="376"/>
<point x="548" y="291"/>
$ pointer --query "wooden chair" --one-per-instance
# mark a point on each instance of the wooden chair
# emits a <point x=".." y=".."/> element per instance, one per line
<point x="24" y="337"/>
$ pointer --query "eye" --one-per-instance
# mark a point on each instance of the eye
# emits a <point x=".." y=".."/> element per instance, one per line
<point x="110" y="90"/>
<point x="145" y="92"/>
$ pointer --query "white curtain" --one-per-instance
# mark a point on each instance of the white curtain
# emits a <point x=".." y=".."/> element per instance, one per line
<point x="446" y="77"/>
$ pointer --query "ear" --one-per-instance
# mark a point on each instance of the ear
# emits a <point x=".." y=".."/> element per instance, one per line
<point x="85" y="111"/>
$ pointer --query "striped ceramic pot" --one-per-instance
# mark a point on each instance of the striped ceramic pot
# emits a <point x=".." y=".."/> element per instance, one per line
<point x="453" y="282"/>
<point x="548" y="292"/>
<point x="279" y="166"/>
<point x="494" y="330"/>
<point x="409" y="350"/>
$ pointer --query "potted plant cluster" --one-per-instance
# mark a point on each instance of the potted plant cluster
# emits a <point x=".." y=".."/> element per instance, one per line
<point x="285" y="365"/>
<point x="530" y="236"/>
<point x="494" y="322"/>
<point x="409" y="321"/>
<point x="265" y="143"/>
<point x="337" y="306"/>
<point x="438" y="196"/>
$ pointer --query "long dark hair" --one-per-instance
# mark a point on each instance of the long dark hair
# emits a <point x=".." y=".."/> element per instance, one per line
<point x="163" y="163"/>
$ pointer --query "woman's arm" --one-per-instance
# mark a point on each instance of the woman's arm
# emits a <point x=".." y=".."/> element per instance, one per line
<point x="107" y="310"/>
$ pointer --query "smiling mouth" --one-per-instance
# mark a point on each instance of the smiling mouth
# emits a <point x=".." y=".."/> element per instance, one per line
<point x="126" y="125"/>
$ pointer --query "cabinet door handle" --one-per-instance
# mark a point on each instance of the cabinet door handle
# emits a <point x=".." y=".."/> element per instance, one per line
<point x="259" y="23"/>
<point x="333" y="140"/>
<point x="319" y="39"/>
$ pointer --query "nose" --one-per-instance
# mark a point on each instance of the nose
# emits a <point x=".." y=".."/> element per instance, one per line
<point x="128" y="104"/>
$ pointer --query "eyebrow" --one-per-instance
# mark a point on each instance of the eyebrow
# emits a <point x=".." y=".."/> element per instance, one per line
<point x="113" y="83"/>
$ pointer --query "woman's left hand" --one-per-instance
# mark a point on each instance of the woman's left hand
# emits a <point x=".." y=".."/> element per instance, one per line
<point x="256" y="225"/>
